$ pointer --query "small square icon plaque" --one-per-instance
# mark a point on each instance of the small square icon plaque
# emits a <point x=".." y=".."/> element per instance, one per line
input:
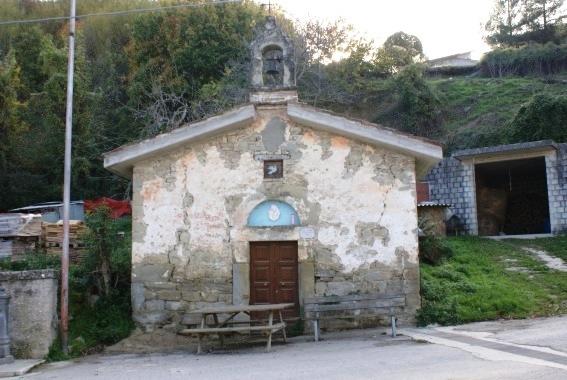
<point x="273" y="169"/>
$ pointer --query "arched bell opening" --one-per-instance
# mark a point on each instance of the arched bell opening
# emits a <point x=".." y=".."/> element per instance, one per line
<point x="273" y="66"/>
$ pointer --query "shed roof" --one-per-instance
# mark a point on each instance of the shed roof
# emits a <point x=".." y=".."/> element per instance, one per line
<point x="504" y="151"/>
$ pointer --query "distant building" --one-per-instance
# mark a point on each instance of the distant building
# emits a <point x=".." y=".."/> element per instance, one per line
<point x="455" y="60"/>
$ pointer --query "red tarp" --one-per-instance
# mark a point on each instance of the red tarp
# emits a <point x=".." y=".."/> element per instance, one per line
<point x="118" y="208"/>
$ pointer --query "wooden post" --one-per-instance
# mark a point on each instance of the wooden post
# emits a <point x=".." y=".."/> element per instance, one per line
<point x="316" y="327"/>
<point x="393" y="319"/>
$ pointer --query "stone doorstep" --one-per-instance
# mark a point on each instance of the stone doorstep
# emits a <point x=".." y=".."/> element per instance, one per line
<point x="19" y="367"/>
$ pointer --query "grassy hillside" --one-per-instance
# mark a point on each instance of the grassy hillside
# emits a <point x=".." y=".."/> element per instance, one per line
<point x="474" y="107"/>
<point x="490" y="280"/>
<point x="473" y="110"/>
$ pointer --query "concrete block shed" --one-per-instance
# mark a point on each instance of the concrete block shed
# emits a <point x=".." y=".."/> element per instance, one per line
<point x="508" y="190"/>
<point x="271" y="202"/>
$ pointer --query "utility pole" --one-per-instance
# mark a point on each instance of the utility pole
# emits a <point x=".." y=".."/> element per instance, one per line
<point x="67" y="185"/>
<point x="64" y="322"/>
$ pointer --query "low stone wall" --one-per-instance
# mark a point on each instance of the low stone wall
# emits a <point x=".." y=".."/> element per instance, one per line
<point x="33" y="311"/>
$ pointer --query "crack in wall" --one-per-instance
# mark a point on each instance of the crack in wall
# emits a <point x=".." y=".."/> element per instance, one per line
<point x="168" y="173"/>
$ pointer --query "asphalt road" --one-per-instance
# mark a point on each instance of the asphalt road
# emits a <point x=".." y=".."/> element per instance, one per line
<point x="524" y="349"/>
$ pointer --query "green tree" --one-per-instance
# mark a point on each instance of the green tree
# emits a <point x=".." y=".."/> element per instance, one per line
<point x="418" y="106"/>
<point x="400" y="50"/>
<point x="101" y="122"/>
<point x="177" y="56"/>
<point x="11" y="125"/>
<point x="46" y="118"/>
<point x="27" y="47"/>
<point x="541" y="18"/>
<point x="541" y="14"/>
<point x="332" y="62"/>
<point x="517" y="22"/>
<point x="505" y="23"/>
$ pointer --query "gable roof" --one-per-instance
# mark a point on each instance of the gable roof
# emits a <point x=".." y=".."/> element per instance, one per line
<point x="122" y="160"/>
<point x="426" y="153"/>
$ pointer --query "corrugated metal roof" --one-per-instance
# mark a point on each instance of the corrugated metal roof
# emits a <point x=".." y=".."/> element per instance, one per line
<point x="45" y="205"/>
<point x="434" y="204"/>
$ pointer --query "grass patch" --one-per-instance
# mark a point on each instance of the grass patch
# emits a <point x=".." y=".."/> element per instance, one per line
<point x="31" y="261"/>
<point x="489" y="280"/>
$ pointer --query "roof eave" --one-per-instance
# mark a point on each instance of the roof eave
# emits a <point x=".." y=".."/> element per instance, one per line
<point x="426" y="153"/>
<point x="121" y="161"/>
<point x="502" y="151"/>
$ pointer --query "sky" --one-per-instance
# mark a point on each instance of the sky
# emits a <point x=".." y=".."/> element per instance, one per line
<point x="444" y="27"/>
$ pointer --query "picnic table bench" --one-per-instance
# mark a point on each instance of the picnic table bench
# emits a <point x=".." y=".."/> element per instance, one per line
<point x="350" y="306"/>
<point x="223" y="321"/>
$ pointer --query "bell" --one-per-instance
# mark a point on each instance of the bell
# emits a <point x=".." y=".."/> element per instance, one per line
<point x="272" y="69"/>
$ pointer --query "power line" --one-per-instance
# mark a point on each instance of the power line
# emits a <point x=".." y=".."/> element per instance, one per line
<point x="119" y="12"/>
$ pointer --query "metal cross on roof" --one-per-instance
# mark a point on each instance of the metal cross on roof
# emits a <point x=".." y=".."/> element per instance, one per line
<point x="269" y="7"/>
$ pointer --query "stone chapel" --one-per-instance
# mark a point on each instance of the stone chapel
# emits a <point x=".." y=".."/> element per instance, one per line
<point x="271" y="202"/>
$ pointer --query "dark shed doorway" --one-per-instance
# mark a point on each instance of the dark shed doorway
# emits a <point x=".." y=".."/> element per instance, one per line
<point x="511" y="197"/>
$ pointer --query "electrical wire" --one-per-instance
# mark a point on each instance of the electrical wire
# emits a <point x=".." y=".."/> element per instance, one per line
<point x="119" y="12"/>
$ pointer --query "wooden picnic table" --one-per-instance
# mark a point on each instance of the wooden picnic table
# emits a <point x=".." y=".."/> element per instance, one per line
<point x="223" y="317"/>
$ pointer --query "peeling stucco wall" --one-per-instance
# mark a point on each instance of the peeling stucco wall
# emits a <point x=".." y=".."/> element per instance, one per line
<point x="190" y="209"/>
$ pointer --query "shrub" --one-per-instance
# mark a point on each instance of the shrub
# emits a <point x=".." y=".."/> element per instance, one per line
<point x="31" y="261"/>
<point x="419" y="106"/>
<point x="442" y="313"/>
<point x="543" y="117"/>
<point x="432" y="248"/>
<point x="99" y="317"/>
<point x="533" y="59"/>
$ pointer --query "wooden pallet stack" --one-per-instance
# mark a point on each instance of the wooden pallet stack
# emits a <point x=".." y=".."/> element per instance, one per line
<point x="52" y="234"/>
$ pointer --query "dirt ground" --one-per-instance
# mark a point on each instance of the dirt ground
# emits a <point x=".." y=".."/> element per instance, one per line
<point x="162" y="341"/>
<point x="157" y="341"/>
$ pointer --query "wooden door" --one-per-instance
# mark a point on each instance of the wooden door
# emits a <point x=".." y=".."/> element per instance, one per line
<point x="273" y="274"/>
